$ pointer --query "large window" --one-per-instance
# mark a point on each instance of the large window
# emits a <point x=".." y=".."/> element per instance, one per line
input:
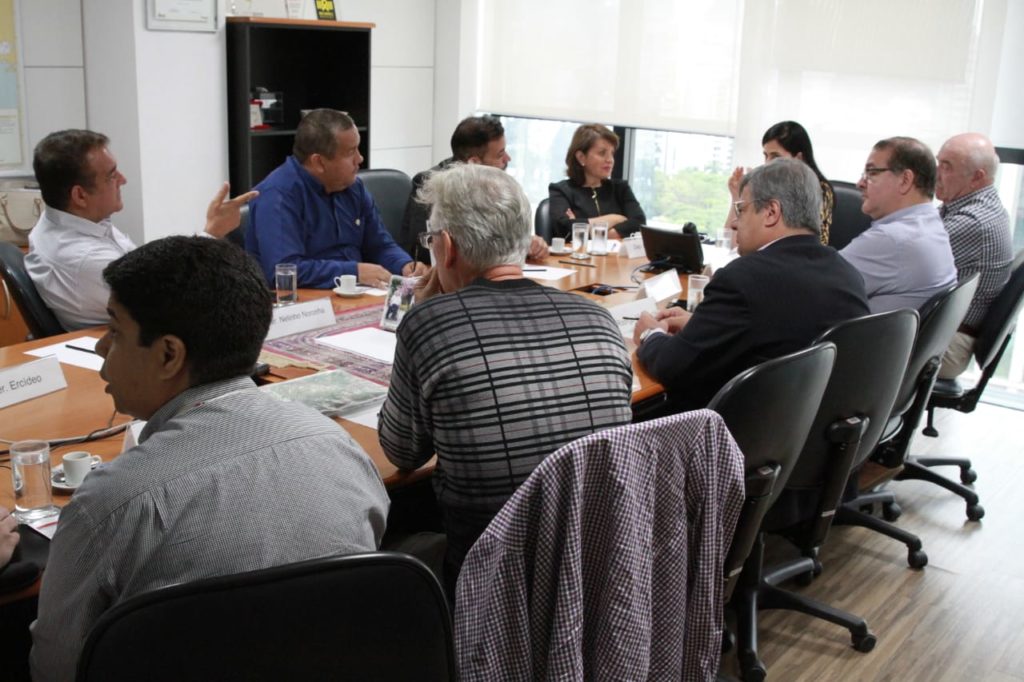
<point x="537" y="148"/>
<point x="680" y="177"/>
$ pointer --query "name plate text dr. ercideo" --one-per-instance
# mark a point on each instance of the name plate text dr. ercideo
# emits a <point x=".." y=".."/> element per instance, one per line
<point x="30" y="380"/>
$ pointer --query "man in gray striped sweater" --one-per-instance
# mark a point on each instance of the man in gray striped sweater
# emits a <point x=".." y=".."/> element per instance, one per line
<point x="497" y="371"/>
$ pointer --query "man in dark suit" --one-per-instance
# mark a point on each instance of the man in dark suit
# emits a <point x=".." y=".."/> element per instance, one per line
<point x="785" y="290"/>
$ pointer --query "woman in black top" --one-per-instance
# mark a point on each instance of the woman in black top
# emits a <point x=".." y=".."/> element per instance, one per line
<point x="589" y="195"/>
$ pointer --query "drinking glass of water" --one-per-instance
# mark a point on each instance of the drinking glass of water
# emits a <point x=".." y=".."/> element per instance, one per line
<point x="695" y="290"/>
<point x="33" y="487"/>
<point x="286" y="281"/>
<point x="579" y="240"/>
<point x="599" y="239"/>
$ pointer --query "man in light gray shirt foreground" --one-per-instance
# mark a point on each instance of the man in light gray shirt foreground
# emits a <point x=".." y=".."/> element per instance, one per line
<point x="226" y="479"/>
<point x="904" y="257"/>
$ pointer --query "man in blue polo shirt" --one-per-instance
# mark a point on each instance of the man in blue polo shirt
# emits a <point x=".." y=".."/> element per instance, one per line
<point x="313" y="211"/>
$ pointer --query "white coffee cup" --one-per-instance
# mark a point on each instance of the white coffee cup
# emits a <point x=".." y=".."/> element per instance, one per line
<point x="76" y="465"/>
<point x="346" y="284"/>
<point x="558" y="244"/>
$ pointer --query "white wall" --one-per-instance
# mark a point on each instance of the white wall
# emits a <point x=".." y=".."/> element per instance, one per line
<point x="111" y="97"/>
<point x="181" y="112"/>
<point x="53" y="67"/>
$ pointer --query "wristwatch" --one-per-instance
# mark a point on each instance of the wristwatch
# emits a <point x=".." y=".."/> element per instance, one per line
<point x="647" y="333"/>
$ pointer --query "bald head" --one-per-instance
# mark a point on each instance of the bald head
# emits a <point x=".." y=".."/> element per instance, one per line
<point x="966" y="163"/>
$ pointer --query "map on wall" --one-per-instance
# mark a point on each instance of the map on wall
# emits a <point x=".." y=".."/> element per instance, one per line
<point x="10" y="120"/>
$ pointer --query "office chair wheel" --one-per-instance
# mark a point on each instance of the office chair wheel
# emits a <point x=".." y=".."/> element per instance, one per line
<point x="864" y="643"/>
<point x="968" y="475"/>
<point x="754" y="673"/>
<point x="728" y="640"/>
<point x="917" y="558"/>
<point x="891" y="511"/>
<point x="975" y="512"/>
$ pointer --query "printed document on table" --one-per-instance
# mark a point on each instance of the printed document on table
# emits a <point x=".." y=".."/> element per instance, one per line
<point x="80" y="352"/>
<point x="369" y="341"/>
<point x="546" y="273"/>
<point x="627" y="314"/>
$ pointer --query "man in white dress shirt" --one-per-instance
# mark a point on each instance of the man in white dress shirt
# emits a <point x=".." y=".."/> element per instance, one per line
<point x="74" y="238"/>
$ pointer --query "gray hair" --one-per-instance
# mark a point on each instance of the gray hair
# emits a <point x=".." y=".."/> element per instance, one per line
<point x="794" y="185"/>
<point x="484" y="210"/>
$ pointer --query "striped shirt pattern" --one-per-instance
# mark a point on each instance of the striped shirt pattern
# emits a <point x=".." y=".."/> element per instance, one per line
<point x="226" y="480"/>
<point x="495" y="377"/>
<point x="979" y="234"/>
<point x="608" y="563"/>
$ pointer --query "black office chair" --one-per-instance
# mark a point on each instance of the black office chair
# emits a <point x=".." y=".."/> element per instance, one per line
<point x="994" y="336"/>
<point x="848" y="220"/>
<point x="38" y="317"/>
<point x="390" y="189"/>
<point x="871" y="356"/>
<point x="542" y="221"/>
<point x="376" y="616"/>
<point x="769" y="409"/>
<point x="237" y="235"/>
<point x="940" y="318"/>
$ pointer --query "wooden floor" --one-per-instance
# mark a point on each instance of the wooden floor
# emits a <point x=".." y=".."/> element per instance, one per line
<point x="962" y="616"/>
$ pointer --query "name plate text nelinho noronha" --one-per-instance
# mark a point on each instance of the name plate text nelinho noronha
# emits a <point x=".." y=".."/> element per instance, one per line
<point x="30" y="380"/>
<point x="301" y="317"/>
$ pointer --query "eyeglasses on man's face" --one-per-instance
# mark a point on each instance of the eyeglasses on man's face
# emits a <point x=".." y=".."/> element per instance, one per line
<point x="427" y="238"/>
<point x="737" y="207"/>
<point x="872" y="172"/>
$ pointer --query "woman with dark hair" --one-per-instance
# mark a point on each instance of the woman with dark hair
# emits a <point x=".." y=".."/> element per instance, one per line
<point x="590" y="195"/>
<point x="789" y="140"/>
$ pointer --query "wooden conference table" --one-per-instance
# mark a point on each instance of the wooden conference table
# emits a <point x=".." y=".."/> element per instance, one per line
<point x="84" y="406"/>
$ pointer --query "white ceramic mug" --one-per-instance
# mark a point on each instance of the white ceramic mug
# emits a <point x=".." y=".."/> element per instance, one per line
<point x="346" y="284"/>
<point x="558" y="244"/>
<point x="76" y="465"/>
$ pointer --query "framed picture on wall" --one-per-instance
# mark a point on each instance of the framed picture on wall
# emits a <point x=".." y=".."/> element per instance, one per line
<point x="181" y="15"/>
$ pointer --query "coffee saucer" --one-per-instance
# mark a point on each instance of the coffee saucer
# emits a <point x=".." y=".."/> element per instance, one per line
<point x="348" y="294"/>
<point x="57" y="479"/>
<point x="563" y="252"/>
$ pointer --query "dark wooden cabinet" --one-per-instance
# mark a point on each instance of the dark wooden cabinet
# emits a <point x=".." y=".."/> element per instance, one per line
<point x="312" y="64"/>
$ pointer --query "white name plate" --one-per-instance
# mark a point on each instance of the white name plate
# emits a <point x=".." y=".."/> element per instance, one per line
<point x="634" y="248"/>
<point x="301" y="317"/>
<point x="30" y="380"/>
<point x="660" y="287"/>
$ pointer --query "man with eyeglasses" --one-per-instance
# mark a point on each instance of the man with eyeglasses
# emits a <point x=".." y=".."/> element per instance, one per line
<point x="904" y="257"/>
<point x="785" y="290"/>
<point x="496" y="371"/>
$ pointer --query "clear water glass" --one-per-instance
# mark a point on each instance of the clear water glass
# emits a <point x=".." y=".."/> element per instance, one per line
<point x="286" y="283"/>
<point x="33" y="487"/>
<point x="579" y="240"/>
